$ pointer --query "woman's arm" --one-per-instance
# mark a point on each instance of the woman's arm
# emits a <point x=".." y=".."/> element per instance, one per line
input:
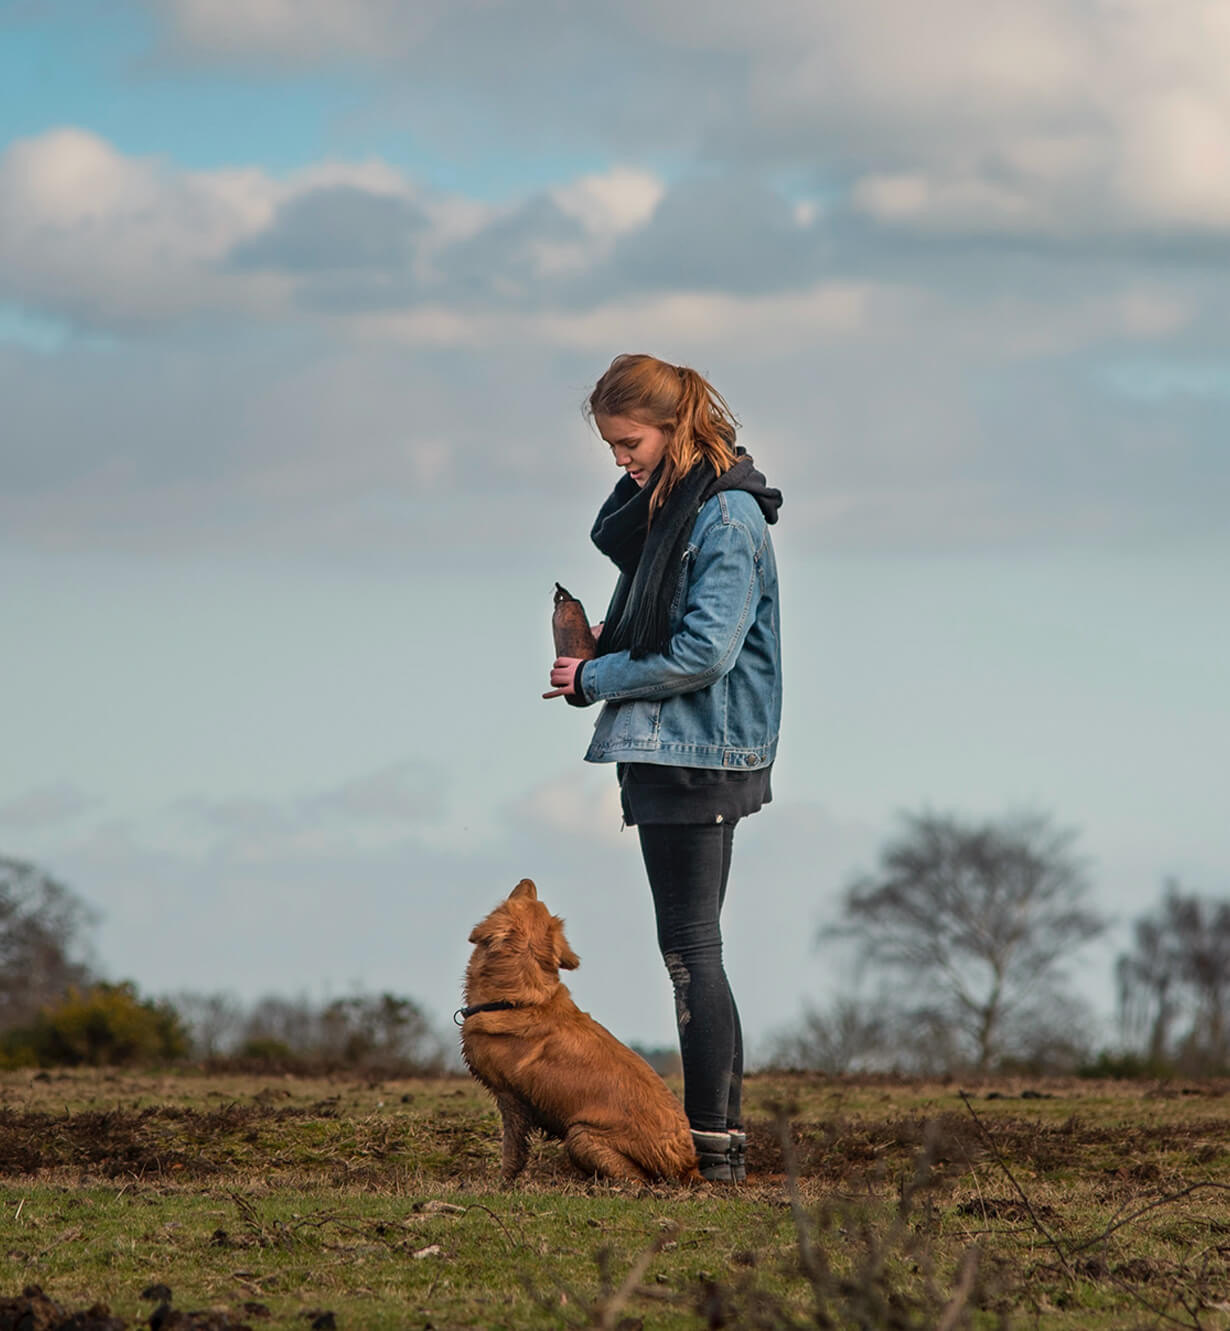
<point x="721" y="600"/>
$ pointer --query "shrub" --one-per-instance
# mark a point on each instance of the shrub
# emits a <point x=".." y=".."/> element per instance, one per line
<point x="105" y="1024"/>
<point x="263" y="1053"/>
<point x="1127" y="1065"/>
<point x="380" y="1034"/>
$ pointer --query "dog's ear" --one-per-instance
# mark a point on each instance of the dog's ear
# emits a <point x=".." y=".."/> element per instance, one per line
<point x="548" y="946"/>
<point x="524" y="891"/>
<point x="565" y="958"/>
<point x="494" y="929"/>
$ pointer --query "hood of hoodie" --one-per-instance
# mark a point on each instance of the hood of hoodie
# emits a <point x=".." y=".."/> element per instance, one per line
<point x="744" y="476"/>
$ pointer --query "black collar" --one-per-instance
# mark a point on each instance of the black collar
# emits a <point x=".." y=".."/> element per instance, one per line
<point x="500" y="1005"/>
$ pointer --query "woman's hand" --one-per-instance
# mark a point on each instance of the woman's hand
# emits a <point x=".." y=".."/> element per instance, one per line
<point x="564" y="676"/>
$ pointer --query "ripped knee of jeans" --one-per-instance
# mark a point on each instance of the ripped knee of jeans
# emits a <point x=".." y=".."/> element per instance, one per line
<point x="681" y="978"/>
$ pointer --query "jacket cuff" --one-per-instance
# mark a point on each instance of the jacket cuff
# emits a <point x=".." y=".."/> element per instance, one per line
<point x="578" y="698"/>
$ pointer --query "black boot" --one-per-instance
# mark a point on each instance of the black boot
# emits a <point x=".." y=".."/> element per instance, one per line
<point x="738" y="1155"/>
<point x="713" y="1155"/>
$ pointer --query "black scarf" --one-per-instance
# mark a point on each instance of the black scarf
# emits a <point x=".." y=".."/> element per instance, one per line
<point x="650" y="556"/>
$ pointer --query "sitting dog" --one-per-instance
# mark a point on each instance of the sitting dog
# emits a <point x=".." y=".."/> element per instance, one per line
<point x="552" y="1066"/>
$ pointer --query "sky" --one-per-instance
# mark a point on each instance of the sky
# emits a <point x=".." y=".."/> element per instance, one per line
<point x="299" y="304"/>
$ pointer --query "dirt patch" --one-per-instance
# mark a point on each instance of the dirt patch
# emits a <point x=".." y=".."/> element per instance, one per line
<point x="32" y="1310"/>
<point x="1012" y="1209"/>
<point x="153" y="1141"/>
<point x="839" y="1149"/>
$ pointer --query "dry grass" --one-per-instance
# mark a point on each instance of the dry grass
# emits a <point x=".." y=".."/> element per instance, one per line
<point x="871" y="1204"/>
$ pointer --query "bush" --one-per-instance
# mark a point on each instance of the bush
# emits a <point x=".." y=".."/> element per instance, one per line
<point x="1127" y="1065"/>
<point x="262" y="1054"/>
<point x="378" y="1034"/>
<point x="107" y="1024"/>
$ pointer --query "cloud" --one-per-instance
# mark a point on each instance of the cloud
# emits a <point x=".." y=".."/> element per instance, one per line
<point x="301" y="30"/>
<point x="386" y="802"/>
<point x="1005" y="117"/>
<point x="403" y="794"/>
<point x="516" y="259"/>
<point x="720" y="233"/>
<point x="80" y="224"/>
<point x="611" y="202"/>
<point x="338" y="227"/>
<point x="122" y="243"/>
<point x="894" y="417"/>
<point x="388" y="364"/>
<point x="46" y="806"/>
<point x="260" y="903"/>
<point x="119" y="243"/>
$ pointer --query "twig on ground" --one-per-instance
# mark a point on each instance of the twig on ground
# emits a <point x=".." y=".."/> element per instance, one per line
<point x="1202" y="1186"/>
<point x="1024" y="1196"/>
<point x="1160" y="1313"/>
<point x="478" y="1206"/>
<point x="251" y="1220"/>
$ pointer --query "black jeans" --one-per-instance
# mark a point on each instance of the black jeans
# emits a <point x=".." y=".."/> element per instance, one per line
<point x="688" y="865"/>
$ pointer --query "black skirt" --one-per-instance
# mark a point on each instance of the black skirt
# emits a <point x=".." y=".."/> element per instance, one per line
<point x="651" y="793"/>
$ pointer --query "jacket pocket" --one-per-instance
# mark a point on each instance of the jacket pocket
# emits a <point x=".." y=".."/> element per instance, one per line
<point x="638" y="724"/>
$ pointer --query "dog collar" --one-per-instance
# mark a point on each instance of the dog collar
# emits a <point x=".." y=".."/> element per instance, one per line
<point x="500" y="1005"/>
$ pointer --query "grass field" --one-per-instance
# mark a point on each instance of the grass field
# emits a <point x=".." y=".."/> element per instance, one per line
<point x="277" y="1202"/>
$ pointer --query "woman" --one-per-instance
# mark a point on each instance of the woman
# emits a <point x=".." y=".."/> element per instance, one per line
<point x="689" y="667"/>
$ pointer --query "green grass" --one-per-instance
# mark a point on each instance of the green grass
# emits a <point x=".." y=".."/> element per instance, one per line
<point x="1097" y="1206"/>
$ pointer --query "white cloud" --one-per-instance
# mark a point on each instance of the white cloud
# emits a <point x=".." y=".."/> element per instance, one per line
<point x="1034" y="116"/>
<point x="698" y="320"/>
<point x="610" y="202"/>
<point x="108" y="239"/>
<point x="581" y="810"/>
<point x="1173" y="167"/>
<point x="116" y="241"/>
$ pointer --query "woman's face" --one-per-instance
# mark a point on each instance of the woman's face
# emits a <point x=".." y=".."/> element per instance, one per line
<point x="635" y="447"/>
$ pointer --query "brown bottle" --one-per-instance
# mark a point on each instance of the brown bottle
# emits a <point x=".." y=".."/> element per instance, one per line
<point x="570" y="626"/>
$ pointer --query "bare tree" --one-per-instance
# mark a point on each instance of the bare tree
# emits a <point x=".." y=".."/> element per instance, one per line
<point x="1178" y="971"/>
<point x="1148" y="980"/>
<point x="975" y="921"/>
<point x="385" y="1031"/>
<point x="274" y="1020"/>
<point x="42" y="928"/>
<point x="849" y="1035"/>
<point x="213" y="1021"/>
<point x="379" y="1030"/>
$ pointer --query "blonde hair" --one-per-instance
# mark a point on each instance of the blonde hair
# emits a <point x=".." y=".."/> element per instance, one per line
<point x="677" y="400"/>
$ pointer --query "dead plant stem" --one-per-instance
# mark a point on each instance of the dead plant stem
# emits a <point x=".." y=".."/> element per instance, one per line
<point x="1024" y="1196"/>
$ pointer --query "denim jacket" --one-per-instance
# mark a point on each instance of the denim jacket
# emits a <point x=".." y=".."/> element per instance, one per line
<point x="714" y="698"/>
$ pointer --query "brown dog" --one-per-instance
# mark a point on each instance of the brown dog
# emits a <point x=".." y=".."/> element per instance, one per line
<point x="552" y="1066"/>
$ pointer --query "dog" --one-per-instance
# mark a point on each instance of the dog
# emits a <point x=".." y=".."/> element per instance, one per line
<point x="552" y="1066"/>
